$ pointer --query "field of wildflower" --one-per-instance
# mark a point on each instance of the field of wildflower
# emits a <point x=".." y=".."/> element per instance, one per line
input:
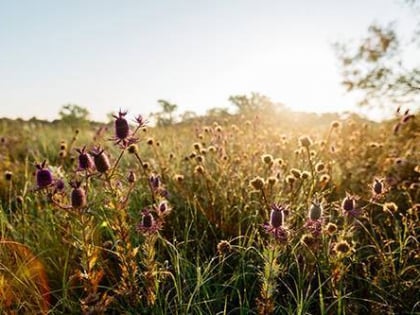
<point x="228" y="214"/>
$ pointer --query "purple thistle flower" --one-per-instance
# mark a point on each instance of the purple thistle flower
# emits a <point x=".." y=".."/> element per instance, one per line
<point x="349" y="205"/>
<point x="122" y="130"/>
<point x="101" y="160"/>
<point x="59" y="185"/>
<point x="78" y="196"/>
<point x="141" y="122"/>
<point x="85" y="160"/>
<point x="44" y="177"/>
<point x="276" y="223"/>
<point x="148" y="224"/>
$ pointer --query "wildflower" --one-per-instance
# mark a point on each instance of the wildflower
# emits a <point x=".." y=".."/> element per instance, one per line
<point x="349" y="205"/>
<point x="324" y="179"/>
<point x="296" y="173"/>
<point x="267" y="159"/>
<point x="179" y="178"/>
<point x="305" y="175"/>
<point x="85" y="160"/>
<point x="290" y="179"/>
<point x="8" y="176"/>
<point x="163" y="208"/>
<point x="342" y="247"/>
<point x="199" y="169"/>
<point x="224" y="248"/>
<point x="319" y="167"/>
<point x="155" y="181"/>
<point x="132" y="148"/>
<point x="331" y="228"/>
<point x="257" y="183"/>
<point x="148" y="224"/>
<point x="101" y="160"/>
<point x="308" y="240"/>
<point x="305" y="141"/>
<point x="131" y="178"/>
<point x="122" y="130"/>
<point x="378" y="188"/>
<point x="390" y="207"/>
<point x="150" y="141"/>
<point x="141" y="122"/>
<point x="335" y="124"/>
<point x="197" y="146"/>
<point x="78" y="196"/>
<point x="315" y="211"/>
<point x="59" y="185"/>
<point x="272" y="180"/>
<point x="276" y="223"/>
<point x="44" y="177"/>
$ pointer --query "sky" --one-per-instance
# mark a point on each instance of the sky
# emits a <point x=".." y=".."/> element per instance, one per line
<point x="105" y="55"/>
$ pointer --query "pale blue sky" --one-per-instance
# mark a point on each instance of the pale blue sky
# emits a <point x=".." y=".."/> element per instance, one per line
<point x="106" y="55"/>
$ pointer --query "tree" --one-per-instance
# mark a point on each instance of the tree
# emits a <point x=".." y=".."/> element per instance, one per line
<point x="376" y="66"/>
<point x="74" y="115"/>
<point x="166" y="116"/>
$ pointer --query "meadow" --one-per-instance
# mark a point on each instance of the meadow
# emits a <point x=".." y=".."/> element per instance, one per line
<point x="252" y="213"/>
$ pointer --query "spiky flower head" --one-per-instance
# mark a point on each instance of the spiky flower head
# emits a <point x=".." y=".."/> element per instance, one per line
<point x="267" y="159"/>
<point x="315" y="211"/>
<point x="305" y="141"/>
<point x="224" y="248"/>
<point x="276" y="224"/>
<point x="78" y="195"/>
<point x="378" y="187"/>
<point x="342" y="247"/>
<point x="257" y="183"/>
<point x="131" y="178"/>
<point x="85" y="160"/>
<point x="44" y="177"/>
<point x="101" y="160"/>
<point x="331" y="228"/>
<point x="8" y="175"/>
<point x="148" y="224"/>
<point x="349" y="205"/>
<point x="122" y="129"/>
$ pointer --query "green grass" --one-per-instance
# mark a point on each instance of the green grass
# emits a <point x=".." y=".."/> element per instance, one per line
<point x="211" y="253"/>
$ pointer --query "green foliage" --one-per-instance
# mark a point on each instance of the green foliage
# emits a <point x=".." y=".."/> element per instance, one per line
<point x="74" y="115"/>
<point x="166" y="116"/>
<point x="377" y="66"/>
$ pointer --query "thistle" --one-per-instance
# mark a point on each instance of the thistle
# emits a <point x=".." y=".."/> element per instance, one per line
<point x="44" y="177"/>
<point x="78" y="196"/>
<point x="276" y="224"/>
<point x="85" y="160"/>
<point x="101" y="160"/>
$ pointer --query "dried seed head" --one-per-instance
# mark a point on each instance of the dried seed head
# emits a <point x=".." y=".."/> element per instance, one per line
<point x="101" y="160"/>
<point x="315" y="211"/>
<point x="150" y="141"/>
<point x="257" y="183"/>
<point x="132" y="149"/>
<point x="290" y="179"/>
<point x="308" y="240"/>
<point x="272" y="180"/>
<point x="305" y="175"/>
<point x="335" y="124"/>
<point x="44" y="177"/>
<point x="78" y="196"/>
<point x="131" y="178"/>
<point x="305" y="141"/>
<point x="197" y="146"/>
<point x="179" y="178"/>
<point x="342" y="247"/>
<point x="8" y="175"/>
<point x="319" y="167"/>
<point x="59" y="185"/>
<point x="390" y="207"/>
<point x="122" y="129"/>
<point x="324" y="179"/>
<point x="331" y="228"/>
<point x="267" y="159"/>
<point x="224" y="248"/>
<point x="296" y="173"/>
<point x="199" y="169"/>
